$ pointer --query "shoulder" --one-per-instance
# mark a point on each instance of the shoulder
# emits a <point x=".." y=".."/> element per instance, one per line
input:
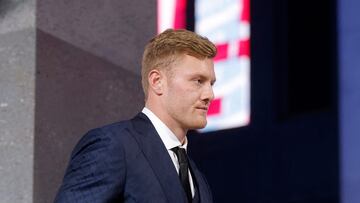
<point x="101" y="137"/>
<point x="117" y="129"/>
<point x="98" y="158"/>
<point x="113" y="138"/>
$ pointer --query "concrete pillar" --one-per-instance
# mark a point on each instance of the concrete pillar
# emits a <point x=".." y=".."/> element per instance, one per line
<point x="17" y="77"/>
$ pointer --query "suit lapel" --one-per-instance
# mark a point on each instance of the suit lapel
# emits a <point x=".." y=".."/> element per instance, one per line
<point x="158" y="157"/>
<point x="203" y="190"/>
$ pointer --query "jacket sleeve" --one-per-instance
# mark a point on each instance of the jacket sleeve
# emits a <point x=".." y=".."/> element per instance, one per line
<point x="96" y="172"/>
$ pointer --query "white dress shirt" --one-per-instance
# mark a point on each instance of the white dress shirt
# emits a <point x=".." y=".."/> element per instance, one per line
<point x="170" y="141"/>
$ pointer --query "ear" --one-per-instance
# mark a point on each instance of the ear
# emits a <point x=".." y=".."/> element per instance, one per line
<point x="156" y="82"/>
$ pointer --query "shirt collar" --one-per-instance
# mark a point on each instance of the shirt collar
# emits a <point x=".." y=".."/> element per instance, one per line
<point x="167" y="136"/>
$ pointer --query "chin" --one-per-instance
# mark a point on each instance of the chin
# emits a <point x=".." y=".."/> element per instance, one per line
<point x="199" y="124"/>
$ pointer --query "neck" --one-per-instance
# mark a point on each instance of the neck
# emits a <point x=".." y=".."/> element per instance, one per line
<point x="179" y="132"/>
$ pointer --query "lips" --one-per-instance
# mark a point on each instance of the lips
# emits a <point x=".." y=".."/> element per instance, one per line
<point x="205" y="108"/>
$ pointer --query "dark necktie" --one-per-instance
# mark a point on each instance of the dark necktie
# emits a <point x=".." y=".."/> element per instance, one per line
<point x="183" y="170"/>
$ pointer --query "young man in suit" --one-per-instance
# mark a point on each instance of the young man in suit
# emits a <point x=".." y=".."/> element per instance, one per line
<point x="144" y="159"/>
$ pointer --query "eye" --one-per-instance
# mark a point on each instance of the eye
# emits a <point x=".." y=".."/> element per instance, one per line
<point x="199" y="81"/>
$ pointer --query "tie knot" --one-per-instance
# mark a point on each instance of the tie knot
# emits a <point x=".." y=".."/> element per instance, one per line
<point x="181" y="154"/>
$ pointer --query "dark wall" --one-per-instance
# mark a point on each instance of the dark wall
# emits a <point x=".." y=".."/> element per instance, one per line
<point x="88" y="56"/>
<point x="289" y="152"/>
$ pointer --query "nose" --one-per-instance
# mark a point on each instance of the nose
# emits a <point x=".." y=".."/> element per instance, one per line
<point x="208" y="94"/>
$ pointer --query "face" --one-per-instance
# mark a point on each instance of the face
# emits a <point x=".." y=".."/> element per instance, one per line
<point x="188" y="92"/>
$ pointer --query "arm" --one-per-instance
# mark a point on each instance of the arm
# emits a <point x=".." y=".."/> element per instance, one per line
<point x="96" y="172"/>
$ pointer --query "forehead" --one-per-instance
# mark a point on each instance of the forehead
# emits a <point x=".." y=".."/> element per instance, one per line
<point x="190" y="66"/>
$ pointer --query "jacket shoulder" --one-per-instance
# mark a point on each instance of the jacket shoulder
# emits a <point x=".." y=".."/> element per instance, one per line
<point x="97" y="159"/>
<point x="102" y="136"/>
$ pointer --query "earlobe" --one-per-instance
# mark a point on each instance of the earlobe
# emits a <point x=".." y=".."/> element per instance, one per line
<point x="155" y="81"/>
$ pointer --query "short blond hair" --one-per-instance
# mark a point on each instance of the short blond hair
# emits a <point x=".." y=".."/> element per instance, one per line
<point x="164" y="49"/>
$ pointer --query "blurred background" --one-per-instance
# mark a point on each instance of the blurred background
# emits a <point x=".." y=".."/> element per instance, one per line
<point x="284" y="125"/>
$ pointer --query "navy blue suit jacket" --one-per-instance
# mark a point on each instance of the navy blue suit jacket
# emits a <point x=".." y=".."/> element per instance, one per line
<point x="126" y="162"/>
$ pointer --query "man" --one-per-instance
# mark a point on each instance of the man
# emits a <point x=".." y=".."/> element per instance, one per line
<point x="144" y="159"/>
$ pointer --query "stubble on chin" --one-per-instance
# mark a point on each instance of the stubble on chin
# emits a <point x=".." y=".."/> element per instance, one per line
<point x="200" y="123"/>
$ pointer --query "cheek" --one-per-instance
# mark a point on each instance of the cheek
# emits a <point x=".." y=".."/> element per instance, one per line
<point x="183" y="95"/>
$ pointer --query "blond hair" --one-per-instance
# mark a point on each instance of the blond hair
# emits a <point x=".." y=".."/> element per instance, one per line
<point x="164" y="49"/>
